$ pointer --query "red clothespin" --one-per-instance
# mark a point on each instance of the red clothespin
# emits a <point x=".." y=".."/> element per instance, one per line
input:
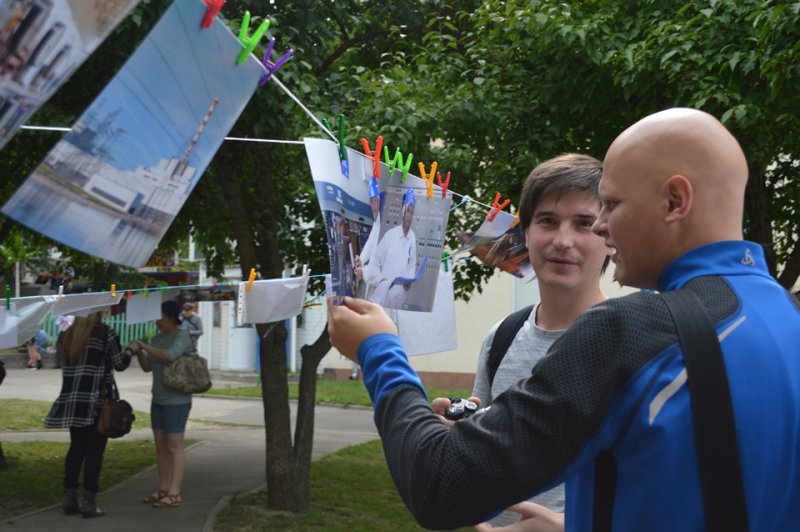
<point x="492" y="214"/>
<point x="428" y="178"/>
<point x="375" y="156"/>
<point x="272" y="68"/>
<point x="212" y="9"/>
<point x="443" y="186"/>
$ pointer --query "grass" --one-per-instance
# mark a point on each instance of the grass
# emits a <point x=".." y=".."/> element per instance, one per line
<point x="332" y="392"/>
<point x="350" y="490"/>
<point x="21" y="414"/>
<point x="36" y="468"/>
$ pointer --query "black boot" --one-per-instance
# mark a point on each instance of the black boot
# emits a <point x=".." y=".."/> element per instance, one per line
<point x="89" y="507"/>
<point x="71" y="501"/>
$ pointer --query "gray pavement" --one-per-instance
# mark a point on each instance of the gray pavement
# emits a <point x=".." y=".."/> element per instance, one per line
<point x="227" y="460"/>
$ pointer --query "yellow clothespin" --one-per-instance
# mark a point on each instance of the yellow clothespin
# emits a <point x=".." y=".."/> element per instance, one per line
<point x="515" y="221"/>
<point x="428" y="178"/>
<point x="113" y="290"/>
<point x="250" y="279"/>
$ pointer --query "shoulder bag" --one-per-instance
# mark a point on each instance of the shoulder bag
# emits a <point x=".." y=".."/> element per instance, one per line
<point x="187" y="374"/>
<point x="116" y="415"/>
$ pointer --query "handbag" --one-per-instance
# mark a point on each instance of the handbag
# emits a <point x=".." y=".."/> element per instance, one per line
<point x="187" y="374"/>
<point x="115" y="419"/>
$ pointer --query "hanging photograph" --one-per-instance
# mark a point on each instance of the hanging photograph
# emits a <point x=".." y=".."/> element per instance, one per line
<point x="113" y="185"/>
<point x="385" y="236"/>
<point x="498" y="245"/>
<point x="41" y="43"/>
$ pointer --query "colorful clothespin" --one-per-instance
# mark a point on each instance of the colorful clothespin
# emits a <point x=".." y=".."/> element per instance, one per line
<point x="443" y="186"/>
<point x="405" y="167"/>
<point x="61" y="290"/>
<point x="250" y="279"/>
<point x="342" y="145"/>
<point x="272" y="67"/>
<point x="113" y="290"/>
<point x="249" y="42"/>
<point x="212" y="9"/>
<point x="8" y="297"/>
<point x="129" y="295"/>
<point x="391" y="162"/>
<point x="446" y="261"/>
<point x="515" y="221"/>
<point x="496" y="207"/>
<point x="375" y="156"/>
<point x="428" y="178"/>
<point x="146" y="287"/>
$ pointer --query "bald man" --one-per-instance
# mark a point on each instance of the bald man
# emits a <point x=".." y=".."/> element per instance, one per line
<point x="611" y="393"/>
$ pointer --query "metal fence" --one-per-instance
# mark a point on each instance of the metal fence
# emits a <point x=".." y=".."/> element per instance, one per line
<point x="127" y="333"/>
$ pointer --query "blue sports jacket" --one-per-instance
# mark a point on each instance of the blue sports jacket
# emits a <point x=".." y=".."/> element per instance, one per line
<point x="613" y="383"/>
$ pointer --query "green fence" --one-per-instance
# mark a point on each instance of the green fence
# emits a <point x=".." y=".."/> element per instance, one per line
<point x="127" y="333"/>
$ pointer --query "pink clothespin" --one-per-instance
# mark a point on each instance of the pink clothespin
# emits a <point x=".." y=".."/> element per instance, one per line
<point x="272" y="68"/>
<point x="445" y="185"/>
<point x="375" y="156"/>
<point x="429" y="177"/>
<point x="492" y="214"/>
<point x="212" y="9"/>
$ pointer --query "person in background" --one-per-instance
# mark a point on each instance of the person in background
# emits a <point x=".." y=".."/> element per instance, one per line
<point x="559" y="204"/>
<point x="169" y="409"/>
<point x="193" y="324"/>
<point x="88" y="353"/>
<point x="36" y="348"/>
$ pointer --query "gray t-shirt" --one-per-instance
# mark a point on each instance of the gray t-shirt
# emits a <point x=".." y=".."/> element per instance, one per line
<point x="528" y="347"/>
<point x="177" y="343"/>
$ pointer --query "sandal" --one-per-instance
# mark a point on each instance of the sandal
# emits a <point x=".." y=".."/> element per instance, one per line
<point x="170" y="500"/>
<point x="155" y="497"/>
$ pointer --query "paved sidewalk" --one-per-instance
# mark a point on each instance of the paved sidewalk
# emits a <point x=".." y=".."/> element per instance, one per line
<point x="226" y="462"/>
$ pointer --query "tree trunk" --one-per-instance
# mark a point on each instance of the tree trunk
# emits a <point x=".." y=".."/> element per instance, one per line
<point x="3" y="463"/>
<point x="304" y="429"/>
<point x="791" y="270"/>
<point x="758" y="226"/>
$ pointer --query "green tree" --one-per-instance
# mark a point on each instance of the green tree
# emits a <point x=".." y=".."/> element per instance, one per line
<point x="529" y="80"/>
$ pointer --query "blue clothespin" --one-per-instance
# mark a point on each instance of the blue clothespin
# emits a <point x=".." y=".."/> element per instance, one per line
<point x="249" y="43"/>
<point x="272" y="68"/>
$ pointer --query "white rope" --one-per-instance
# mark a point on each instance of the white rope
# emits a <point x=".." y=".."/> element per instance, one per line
<point x="241" y="139"/>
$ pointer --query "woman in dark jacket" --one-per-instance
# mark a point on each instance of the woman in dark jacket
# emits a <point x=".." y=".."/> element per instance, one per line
<point x="87" y="352"/>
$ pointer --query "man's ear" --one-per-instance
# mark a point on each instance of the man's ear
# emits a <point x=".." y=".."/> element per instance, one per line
<point x="678" y="194"/>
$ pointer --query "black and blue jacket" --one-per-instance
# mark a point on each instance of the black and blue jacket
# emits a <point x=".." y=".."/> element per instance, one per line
<point x="613" y="383"/>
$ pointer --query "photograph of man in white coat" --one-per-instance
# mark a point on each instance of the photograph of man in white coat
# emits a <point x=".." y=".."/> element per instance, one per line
<point x="366" y="268"/>
<point x="395" y="258"/>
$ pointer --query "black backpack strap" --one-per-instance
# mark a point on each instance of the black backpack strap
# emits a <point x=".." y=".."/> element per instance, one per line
<point x="503" y="337"/>
<point x="712" y="419"/>
<point x="712" y="414"/>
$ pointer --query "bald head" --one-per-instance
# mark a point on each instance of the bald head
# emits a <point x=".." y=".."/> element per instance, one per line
<point x="685" y="176"/>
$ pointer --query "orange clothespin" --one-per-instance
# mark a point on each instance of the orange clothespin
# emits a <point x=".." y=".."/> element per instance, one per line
<point x="515" y="221"/>
<point x="113" y="290"/>
<point x="496" y="207"/>
<point x="375" y="156"/>
<point x="443" y="186"/>
<point x="212" y="9"/>
<point x="428" y="177"/>
<point x="250" y="279"/>
<point x="129" y="295"/>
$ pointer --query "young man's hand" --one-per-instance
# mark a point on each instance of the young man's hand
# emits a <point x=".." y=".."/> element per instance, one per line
<point x="352" y="322"/>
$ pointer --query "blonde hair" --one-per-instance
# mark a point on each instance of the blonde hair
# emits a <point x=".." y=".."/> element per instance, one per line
<point x="73" y="342"/>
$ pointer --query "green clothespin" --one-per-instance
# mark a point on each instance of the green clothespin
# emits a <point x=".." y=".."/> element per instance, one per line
<point x="249" y="43"/>
<point x="405" y="167"/>
<point x="340" y="136"/>
<point x="393" y="162"/>
<point x="446" y="261"/>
